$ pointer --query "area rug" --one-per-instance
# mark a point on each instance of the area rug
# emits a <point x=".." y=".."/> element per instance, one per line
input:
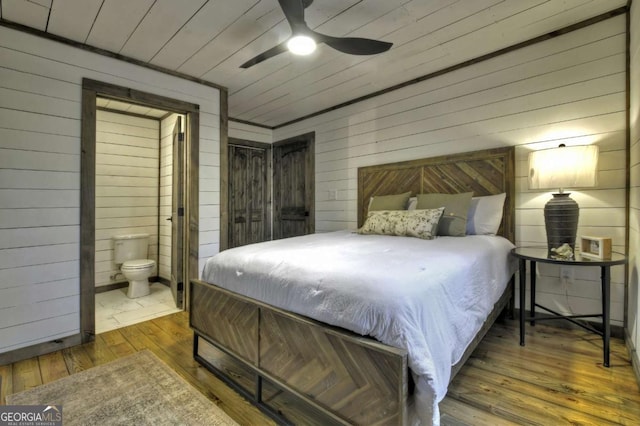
<point x="136" y="390"/>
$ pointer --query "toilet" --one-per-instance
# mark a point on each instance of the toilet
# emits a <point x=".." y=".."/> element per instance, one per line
<point x="131" y="252"/>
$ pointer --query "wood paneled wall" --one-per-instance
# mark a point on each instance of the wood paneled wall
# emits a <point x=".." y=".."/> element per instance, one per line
<point x="40" y="107"/>
<point x="633" y="324"/>
<point x="127" y="160"/>
<point x="570" y="88"/>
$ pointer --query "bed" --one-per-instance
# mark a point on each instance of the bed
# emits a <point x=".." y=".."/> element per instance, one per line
<point x="337" y="364"/>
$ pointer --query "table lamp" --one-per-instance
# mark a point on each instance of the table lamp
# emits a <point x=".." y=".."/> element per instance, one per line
<point x="562" y="167"/>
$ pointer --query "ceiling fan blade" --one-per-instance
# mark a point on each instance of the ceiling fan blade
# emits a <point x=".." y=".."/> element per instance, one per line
<point x="294" y="12"/>
<point x="274" y="51"/>
<point x="354" y="45"/>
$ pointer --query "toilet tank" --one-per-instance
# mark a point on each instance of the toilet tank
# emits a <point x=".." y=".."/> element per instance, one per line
<point x="130" y="247"/>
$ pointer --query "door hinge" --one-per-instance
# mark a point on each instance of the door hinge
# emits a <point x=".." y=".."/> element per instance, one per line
<point x="180" y="286"/>
<point x="181" y="137"/>
<point x="180" y="211"/>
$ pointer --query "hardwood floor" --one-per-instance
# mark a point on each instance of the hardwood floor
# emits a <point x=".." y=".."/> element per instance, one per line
<point x="558" y="378"/>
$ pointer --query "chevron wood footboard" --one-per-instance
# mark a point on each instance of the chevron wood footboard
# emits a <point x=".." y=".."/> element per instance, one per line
<point x="349" y="378"/>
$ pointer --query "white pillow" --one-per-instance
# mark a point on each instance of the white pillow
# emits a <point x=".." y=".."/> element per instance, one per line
<point x="485" y="214"/>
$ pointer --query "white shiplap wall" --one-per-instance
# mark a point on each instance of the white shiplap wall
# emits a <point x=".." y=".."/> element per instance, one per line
<point x="569" y="88"/>
<point x="249" y="132"/>
<point x="127" y="161"/>
<point x="40" y="107"/>
<point x="209" y="184"/>
<point x="634" y="204"/>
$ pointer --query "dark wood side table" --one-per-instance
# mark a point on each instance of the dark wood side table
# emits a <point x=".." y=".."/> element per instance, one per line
<point x="539" y="254"/>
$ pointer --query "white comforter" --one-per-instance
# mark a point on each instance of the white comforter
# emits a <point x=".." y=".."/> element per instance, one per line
<point x="429" y="297"/>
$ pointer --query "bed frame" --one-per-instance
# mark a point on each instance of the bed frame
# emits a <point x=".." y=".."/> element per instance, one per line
<point x="338" y="377"/>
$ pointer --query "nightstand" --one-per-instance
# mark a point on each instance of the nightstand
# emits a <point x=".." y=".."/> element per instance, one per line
<point x="540" y="254"/>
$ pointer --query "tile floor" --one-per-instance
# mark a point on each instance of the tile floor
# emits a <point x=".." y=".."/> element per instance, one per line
<point x="114" y="309"/>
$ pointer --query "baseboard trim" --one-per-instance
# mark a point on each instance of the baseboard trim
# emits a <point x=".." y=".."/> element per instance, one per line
<point x="39" y="349"/>
<point x="109" y="287"/>
<point x="65" y="342"/>
<point x="124" y="284"/>
<point x="633" y="354"/>
<point x="162" y="280"/>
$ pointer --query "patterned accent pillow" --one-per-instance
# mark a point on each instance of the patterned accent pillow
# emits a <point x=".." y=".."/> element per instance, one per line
<point x="410" y="223"/>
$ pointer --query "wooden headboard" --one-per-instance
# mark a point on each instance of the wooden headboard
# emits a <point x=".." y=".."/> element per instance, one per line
<point x="486" y="172"/>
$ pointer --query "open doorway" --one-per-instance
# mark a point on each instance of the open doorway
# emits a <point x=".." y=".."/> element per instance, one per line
<point x="146" y="199"/>
<point x="138" y="191"/>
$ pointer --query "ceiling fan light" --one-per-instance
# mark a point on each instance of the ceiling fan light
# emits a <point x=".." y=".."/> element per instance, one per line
<point x="301" y="45"/>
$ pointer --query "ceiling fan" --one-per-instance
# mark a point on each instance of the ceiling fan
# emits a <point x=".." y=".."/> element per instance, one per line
<point x="303" y="39"/>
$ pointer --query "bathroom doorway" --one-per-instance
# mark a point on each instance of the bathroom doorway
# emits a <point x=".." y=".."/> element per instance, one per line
<point x="143" y="148"/>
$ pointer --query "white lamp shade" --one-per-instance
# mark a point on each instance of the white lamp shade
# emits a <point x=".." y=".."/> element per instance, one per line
<point x="563" y="167"/>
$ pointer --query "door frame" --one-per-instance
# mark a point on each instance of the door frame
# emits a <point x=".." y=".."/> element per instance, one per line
<point x="176" y="274"/>
<point x="310" y="177"/>
<point x="268" y="222"/>
<point x="91" y="89"/>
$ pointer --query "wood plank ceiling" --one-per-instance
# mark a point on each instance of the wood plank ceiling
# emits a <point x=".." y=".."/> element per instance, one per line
<point x="209" y="39"/>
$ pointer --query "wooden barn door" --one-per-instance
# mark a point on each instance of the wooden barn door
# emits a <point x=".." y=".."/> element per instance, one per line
<point x="293" y="187"/>
<point x="248" y="194"/>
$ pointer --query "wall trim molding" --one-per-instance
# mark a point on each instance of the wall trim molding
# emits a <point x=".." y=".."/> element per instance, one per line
<point x="251" y="123"/>
<point x="248" y="143"/>
<point x="579" y="25"/>
<point x="131" y="114"/>
<point x="104" y="52"/>
<point x="627" y="215"/>
<point x="548" y="36"/>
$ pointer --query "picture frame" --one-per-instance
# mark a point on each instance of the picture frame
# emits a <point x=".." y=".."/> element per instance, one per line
<point x="595" y="247"/>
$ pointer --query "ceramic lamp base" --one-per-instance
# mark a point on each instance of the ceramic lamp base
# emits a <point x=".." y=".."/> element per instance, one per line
<point x="561" y="221"/>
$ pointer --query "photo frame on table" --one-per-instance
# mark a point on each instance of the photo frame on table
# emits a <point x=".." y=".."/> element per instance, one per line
<point x="595" y="247"/>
